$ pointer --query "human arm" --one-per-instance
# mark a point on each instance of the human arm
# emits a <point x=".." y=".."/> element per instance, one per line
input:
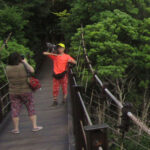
<point x="71" y="60"/>
<point x="50" y="55"/>
<point x="29" y="67"/>
<point x="47" y="53"/>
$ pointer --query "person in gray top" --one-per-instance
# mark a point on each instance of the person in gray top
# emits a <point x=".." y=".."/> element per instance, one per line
<point x="19" y="91"/>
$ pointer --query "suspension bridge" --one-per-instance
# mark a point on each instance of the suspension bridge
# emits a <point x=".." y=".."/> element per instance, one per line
<point x="93" y="119"/>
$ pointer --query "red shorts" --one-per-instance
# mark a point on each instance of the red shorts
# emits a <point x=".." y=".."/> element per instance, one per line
<point x="60" y="82"/>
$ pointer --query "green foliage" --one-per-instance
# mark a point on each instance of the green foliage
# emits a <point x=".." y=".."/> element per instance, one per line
<point x="64" y="13"/>
<point x="13" y="46"/>
<point x="117" y="37"/>
<point x="11" y="20"/>
<point x="88" y="12"/>
<point x="111" y="43"/>
<point x="118" y="45"/>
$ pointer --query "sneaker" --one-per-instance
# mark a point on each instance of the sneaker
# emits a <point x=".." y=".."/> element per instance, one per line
<point x="55" y="103"/>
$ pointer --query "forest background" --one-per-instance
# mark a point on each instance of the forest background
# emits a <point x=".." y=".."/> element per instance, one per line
<point x="117" y="36"/>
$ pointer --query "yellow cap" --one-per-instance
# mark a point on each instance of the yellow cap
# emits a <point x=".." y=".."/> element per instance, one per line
<point x="61" y="45"/>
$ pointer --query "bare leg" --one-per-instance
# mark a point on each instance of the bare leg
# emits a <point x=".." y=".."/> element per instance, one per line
<point x="16" y="123"/>
<point x="34" y="121"/>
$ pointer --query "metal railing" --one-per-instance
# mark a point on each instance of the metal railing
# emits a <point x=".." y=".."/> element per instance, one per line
<point x="4" y="101"/>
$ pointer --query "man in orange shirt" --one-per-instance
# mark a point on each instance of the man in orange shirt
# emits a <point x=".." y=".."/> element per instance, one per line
<point x="60" y="77"/>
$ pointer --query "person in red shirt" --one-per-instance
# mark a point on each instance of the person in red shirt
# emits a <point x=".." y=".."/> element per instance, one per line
<point x="60" y="77"/>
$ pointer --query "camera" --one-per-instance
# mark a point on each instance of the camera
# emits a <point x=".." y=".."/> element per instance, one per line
<point x="51" y="47"/>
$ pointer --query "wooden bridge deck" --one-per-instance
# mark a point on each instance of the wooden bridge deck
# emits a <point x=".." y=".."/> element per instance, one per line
<point x="54" y="136"/>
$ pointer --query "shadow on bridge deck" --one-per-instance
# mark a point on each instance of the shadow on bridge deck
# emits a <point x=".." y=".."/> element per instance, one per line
<point x="54" y="136"/>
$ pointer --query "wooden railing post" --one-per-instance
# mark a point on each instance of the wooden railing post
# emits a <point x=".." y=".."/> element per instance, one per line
<point x="97" y="137"/>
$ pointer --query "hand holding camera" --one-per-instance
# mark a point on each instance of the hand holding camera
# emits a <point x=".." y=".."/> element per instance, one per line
<point x="51" y="47"/>
<point x="24" y="60"/>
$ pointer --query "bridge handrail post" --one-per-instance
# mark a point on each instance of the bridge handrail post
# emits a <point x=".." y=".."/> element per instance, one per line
<point x="97" y="137"/>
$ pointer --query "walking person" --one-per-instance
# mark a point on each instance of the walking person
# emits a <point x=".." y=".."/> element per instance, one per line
<point x="60" y="76"/>
<point x="19" y="90"/>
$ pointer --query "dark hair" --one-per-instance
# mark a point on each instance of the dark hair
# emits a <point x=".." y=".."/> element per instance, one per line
<point x="14" y="59"/>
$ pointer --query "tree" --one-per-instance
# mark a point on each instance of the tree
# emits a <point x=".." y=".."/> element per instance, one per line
<point x="13" y="46"/>
<point x="116" y="50"/>
<point x="11" y="20"/>
<point x="87" y="12"/>
<point x="118" y="47"/>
